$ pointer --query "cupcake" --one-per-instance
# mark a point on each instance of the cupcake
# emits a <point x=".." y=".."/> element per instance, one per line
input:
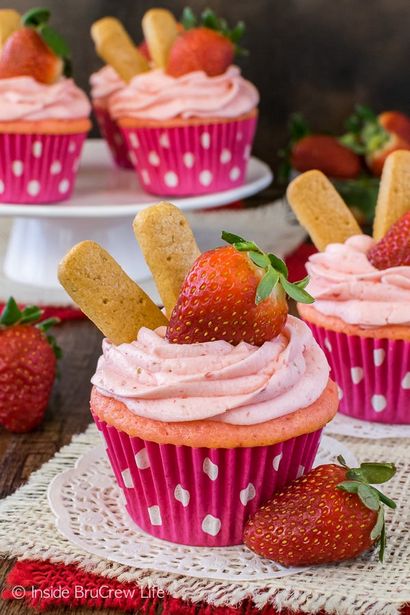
<point x="190" y="121"/>
<point x="361" y="314"/>
<point x="43" y="115"/>
<point x="104" y="83"/>
<point x="205" y="418"/>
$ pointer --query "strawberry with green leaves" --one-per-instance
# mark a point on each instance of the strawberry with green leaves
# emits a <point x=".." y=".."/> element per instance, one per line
<point x="28" y="360"/>
<point x="331" y="514"/>
<point x="393" y="250"/>
<point x="206" y="44"/>
<point x="234" y="293"/>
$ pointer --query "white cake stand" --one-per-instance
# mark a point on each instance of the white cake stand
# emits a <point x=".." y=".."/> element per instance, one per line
<point x="104" y="203"/>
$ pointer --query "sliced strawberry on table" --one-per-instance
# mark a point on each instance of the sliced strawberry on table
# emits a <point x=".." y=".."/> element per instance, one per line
<point x="205" y="44"/>
<point x="234" y="293"/>
<point x="376" y="136"/>
<point x="35" y="50"/>
<point x="28" y="359"/>
<point x="393" y="250"/>
<point x="331" y="514"/>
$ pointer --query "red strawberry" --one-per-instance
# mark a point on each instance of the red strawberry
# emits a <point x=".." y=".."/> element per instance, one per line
<point x="377" y="136"/>
<point x="234" y="293"/>
<point x="326" y="154"/>
<point x="200" y="49"/>
<point x="329" y="515"/>
<point x="26" y="54"/>
<point x="393" y="250"/>
<point x="143" y="48"/>
<point x="27" y="367"/>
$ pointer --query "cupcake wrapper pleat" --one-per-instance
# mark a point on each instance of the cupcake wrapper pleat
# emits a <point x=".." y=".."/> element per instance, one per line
<point x="201" y="496"/>
<point x="114" y="138"/>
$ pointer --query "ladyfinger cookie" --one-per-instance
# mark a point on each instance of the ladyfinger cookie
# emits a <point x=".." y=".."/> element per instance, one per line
<point x="104" y="292"/>
<point x="168" y="246"/>
<point x="393" y="200"/>
<point x="160" y="31"/>
<point x="10" y="21"/>
<point x="115" y="47"/>
<point x="321" y="210"/>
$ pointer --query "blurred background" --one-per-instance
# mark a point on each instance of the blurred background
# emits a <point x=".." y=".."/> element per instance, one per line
<point x="319" y="57"/>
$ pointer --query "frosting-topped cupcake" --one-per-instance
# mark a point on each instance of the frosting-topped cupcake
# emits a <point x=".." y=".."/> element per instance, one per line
<point x="43" y="116"/>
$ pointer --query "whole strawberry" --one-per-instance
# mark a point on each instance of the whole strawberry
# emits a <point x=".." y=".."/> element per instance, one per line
<point x="205" y="44"/>
<point x="28" y="358"/>
<point x="393" y="250"/>
<point x="331" y="514"/>
<point x="234" y="293"/>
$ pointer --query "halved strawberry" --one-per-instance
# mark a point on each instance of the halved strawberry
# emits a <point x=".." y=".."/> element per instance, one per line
<point x="234" y="293"/>
<point x="331" y="514"/>
<point x="393" y="250"/>
<point x="205" y="44"/>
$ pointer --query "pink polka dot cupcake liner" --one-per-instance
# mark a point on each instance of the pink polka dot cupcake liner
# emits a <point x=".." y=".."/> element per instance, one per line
<point x="114" y="138"/>
<point x="373" y="375"/>
<point x="201" y="496"/>
<point x="38" y="168"/>
<point x="191" y="159"/>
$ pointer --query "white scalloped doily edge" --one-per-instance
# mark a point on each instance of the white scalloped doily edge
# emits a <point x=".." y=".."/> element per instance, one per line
<point x="343" y="425"/>
<point x="90" y="512"/>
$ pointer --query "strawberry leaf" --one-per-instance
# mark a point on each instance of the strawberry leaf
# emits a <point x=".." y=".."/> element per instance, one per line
<point x="302" y="283"/>
<point x="54" y="40"/>
<point x="296" y="293"/>
<point x="231" y="238"/>
<point x="368" y="497"/>
<point x="349" y="486"/>
<point x="35" y="17"/>
<point x="188" y="18"/>
<point x="11" y="313"/>
<point x="377" y="473"/>
<point x="266" y="285"/>
<point x="383" y="498"/>
<point x="377" y="529"/>
<point x="278" y="264"/>
<point x="261" y="260"/>
<point x="30" y="314"/>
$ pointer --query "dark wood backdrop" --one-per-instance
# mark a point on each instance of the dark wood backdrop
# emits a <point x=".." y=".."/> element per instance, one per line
<point x="316" y="56"/>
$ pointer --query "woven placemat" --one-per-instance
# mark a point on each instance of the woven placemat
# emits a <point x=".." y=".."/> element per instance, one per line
<point x="27" y="530"/>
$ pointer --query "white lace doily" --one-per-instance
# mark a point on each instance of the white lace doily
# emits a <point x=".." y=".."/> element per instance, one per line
<point x="343" y="425"/>
<point x="90" y="512"/>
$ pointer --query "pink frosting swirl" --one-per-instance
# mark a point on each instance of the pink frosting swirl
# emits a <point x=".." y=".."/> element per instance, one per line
<point x="24" y="98"/>
<point x="105" y="82"/>
<point x="242" y="384"/>
<point x="157" y="96"/>
<point x="345" y="284"/>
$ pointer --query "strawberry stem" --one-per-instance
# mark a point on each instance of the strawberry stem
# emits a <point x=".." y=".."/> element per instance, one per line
<point x="209" y="19"/>
<point x="275" y="270"/>
<point x="360" y="482"/>
<point x="364" y="133"/>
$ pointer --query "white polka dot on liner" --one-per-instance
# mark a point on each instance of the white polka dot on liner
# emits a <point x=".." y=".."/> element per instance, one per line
<point x="225" y="156"/>
<point x="234" y="173"/>
<point x="164" y="140"/>
<point x="155" y="515"/>
<point x="145" y="176"/>
<point x="205" y="177"/>
<point x="356" y="374"/>
<point x="379" y="355"/>
<point x="205" y="140"/>
<point x="153" y="159"/>
<point x="134" y="140"/>
<point x="141" y="459"/>
<point x="301" y="471"/>
<point x="247" y="494"/>
<point x="17" y="167"/>
<point x="63" y="186"/>
<point x="211" y="525"/>
<point x="182" y="495"/>
<point x="327" y="344"/>
<point x="33" y="187"/>
<point x="247" y="152"/>
<point x="72" y="147"/>
<point x="339" y="392"/>
<point x="127" y="478"/>
<point x="171" y="179"/>
<point x="276" y="461"/>
<point x="133" y="157"/>
<point x="55" y="167"/>
<point x="239" y="136"/>
<point x="37" y="149"/>
<point x="2" y="186"/>
<point x="379" y="403"/>
<point x="405" y="383"/>
<point x="189" y="160"/>
<point x="210" y="468"/>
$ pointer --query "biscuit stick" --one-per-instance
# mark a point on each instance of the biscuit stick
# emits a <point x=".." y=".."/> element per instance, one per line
<point x="168" y="246"/>
<point x="160" y="31"/>
<point x="10" y="21"/>
<point x="321" y="210"/>
<point x="104" y="292"/>
<point x="394" y="192"/>
<point x="116" y="48"/>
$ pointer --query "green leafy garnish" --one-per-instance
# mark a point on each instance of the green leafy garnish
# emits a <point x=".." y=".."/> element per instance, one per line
<point x="209" y="19"/>
<point x="30" y="315"/>
<point x="38" y="19"/>
<point x="275" y="271"/>
<point x="297" y="128"/>
<point x="360" y="481"/>
<point x="364" y="133"/>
